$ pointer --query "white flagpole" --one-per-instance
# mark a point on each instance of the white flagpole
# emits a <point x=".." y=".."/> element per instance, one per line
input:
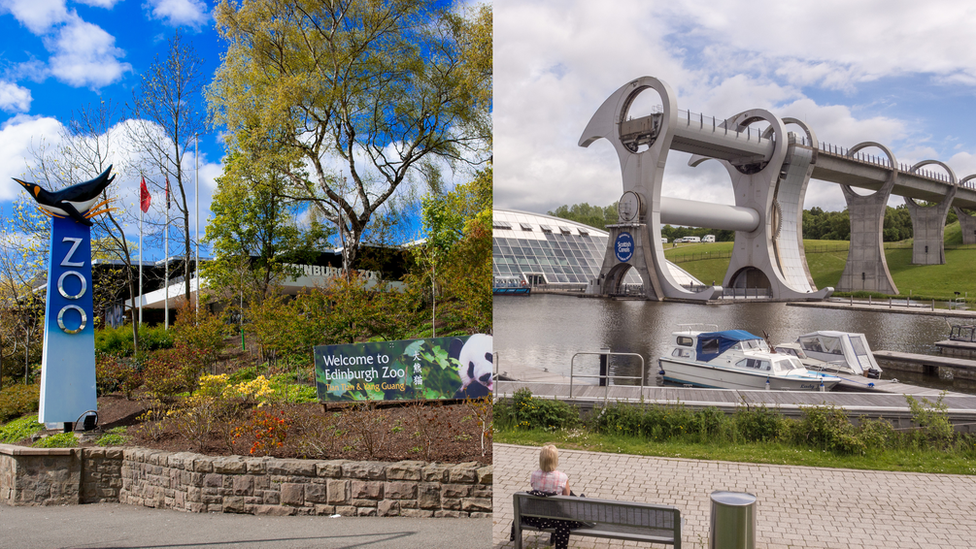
<point x="196" y="153"/>
<point x="166" y="260"/>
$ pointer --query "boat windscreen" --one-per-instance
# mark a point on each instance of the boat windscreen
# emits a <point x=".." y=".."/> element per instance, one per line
<point x="712" y="344"/>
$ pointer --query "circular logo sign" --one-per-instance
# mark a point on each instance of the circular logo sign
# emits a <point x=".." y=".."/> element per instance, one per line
<point x="623" y="247"/>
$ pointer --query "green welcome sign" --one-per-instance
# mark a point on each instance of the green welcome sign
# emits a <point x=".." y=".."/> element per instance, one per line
<point x="435" y="368"/>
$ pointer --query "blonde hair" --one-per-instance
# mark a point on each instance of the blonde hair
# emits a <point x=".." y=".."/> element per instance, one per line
<point x="548" y="458"/>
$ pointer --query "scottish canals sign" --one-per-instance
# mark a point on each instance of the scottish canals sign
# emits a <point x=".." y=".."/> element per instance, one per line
<point x="436" y="368"/>
<point x="623" y="247"/>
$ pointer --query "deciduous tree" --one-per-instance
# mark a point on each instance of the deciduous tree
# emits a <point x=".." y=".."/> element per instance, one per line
<point x="361" y="93"/>
<point x="168" y="113"/>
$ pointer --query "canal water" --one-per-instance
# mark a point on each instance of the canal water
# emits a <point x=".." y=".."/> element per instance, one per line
<point x="545" y="331"/>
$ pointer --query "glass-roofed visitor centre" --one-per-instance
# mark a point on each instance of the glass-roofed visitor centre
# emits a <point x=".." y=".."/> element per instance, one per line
<point x="536" y="249"/>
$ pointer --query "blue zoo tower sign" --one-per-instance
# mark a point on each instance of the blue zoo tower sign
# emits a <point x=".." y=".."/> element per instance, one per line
<point x="68" y="364"/>
<point x="623" y="247"/>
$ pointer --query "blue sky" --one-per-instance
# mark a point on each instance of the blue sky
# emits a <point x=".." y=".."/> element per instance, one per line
<point x="60" y="56"/>
<point x="900" y="73"/>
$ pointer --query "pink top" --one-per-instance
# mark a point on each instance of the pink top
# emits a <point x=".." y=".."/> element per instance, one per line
<point x="553" y="481"/>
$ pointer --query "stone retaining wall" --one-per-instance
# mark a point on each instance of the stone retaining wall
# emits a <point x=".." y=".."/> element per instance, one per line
<point x="39" y="476"/>
<point x="236" y="484"/>
<point x="268" y="486"/>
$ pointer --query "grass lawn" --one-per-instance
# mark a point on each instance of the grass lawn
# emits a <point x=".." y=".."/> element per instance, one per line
<point x="826" y="260"/>
<point x="917" y="461"/>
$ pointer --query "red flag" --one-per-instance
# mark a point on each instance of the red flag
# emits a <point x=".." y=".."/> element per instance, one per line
<point x="167" y="192"/>
<point x="144" y="197"/>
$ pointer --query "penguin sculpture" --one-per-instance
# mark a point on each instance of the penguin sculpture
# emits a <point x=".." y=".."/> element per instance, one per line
<point x="75" y="201"/>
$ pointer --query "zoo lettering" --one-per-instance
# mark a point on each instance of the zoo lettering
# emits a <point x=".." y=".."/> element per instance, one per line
<point x="67" y="262"/>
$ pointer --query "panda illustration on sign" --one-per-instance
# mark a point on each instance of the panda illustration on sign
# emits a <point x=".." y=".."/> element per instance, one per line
<point x="474" y="358"/>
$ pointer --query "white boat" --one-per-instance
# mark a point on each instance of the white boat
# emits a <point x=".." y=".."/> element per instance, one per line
<point x="736" y="359"/>
<point x="832" y="351"/>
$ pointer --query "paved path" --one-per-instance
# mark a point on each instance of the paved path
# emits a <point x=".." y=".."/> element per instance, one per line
<point x="112" y="525"/>
<point x="797" y="507"/>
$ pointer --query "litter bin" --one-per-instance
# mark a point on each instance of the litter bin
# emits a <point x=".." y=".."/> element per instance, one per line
<point x="733" y="521"/>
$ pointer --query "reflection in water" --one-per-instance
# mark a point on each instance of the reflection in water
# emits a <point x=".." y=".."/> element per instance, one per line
<point x="545" y="331"/>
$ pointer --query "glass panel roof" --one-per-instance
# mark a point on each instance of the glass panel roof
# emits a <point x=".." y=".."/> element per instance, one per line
<point x="573" y="255"/>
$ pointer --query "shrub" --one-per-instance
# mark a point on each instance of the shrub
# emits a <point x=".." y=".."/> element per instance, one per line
<point x="932" y="420"/>
<point x="710" y="424"/>
<point x="19" y="429"/>
<point x="155" y="338"/>
<point x="265" y="430"/>
<point x="759" y="424"/>
<point x="18" y="399"/>
<point x="114" y="373"/>
<point x="877" y="434"/>
<point x="60" y="440"/>
<point x="114" y="341"/>
<point x="170" y="372"/>
<point x="660" y="423"/>
<point x="549" y="415"/>
<point x="828" y="428"/>
<point x="201" y="331"/>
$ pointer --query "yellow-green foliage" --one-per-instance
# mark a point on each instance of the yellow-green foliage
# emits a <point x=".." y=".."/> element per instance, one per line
<point x="18" y="399"/>
<point x="60" y="440"/>
<point x="19" y="429"/>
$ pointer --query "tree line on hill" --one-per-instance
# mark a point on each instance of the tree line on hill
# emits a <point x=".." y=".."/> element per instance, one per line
<point x="817" y="223"/>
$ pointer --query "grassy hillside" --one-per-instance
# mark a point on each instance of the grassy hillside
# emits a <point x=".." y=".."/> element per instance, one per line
<point x="826" y="260"/>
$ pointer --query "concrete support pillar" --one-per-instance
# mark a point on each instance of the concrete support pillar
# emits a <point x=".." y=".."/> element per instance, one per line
<point x="968" y="225"/>
<point x="867" y="268"/>
<point x="770" y="257"/>
<point x="928" y="223"/>
<point x="631" y="249"/>
<point x="642" y="144"/>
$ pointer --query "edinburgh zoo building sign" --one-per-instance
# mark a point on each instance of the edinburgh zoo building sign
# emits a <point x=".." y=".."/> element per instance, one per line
<point x="436" y="368"/>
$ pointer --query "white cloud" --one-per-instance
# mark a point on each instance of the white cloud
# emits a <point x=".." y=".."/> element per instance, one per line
<point x="107" y="4"/>
<point x="85" y="55"/>
<point x="37" y="15"/>
<point x="192" y="13"/>
<point x="557" y="61"/>
<point x="17" y="137"/>
<point x="14" y="98"/>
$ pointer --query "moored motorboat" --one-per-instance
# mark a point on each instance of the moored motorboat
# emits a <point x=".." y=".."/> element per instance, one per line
<point x="833" y="351"/>
<point x="736" y="359"/>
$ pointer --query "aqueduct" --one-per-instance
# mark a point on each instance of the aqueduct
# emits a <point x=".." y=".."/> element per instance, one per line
<point x="769" y="169"/>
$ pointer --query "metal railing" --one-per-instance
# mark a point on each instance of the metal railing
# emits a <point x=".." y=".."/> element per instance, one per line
<point x="609" y="376"/>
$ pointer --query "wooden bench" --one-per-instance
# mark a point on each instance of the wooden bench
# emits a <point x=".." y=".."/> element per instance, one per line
<point x="604" y="518"/>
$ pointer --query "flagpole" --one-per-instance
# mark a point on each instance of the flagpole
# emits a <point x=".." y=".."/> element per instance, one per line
<point x="166" y="260"/>
<point x="141" y="214"/>
<point x="196" y="154"/>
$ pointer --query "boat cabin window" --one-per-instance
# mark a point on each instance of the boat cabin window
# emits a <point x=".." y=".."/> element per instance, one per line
<point x="786" y="364"/>
<point x="685" y="341"/>
<point x="790" y="351"/>
<point x="858" y="345"/>
<point x="754" y="364"/>
<point x="681" y="353"/>
<point x="711" y="346"/>
<point x="831" y="345"/>
<point x="751" y="345"/>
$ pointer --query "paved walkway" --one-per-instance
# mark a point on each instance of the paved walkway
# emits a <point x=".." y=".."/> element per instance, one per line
<point x="113" y="525"/>
<point x="797" y="507"/>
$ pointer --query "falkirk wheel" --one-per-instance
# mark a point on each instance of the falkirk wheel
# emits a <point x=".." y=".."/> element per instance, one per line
<point x="769" y="175"/>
